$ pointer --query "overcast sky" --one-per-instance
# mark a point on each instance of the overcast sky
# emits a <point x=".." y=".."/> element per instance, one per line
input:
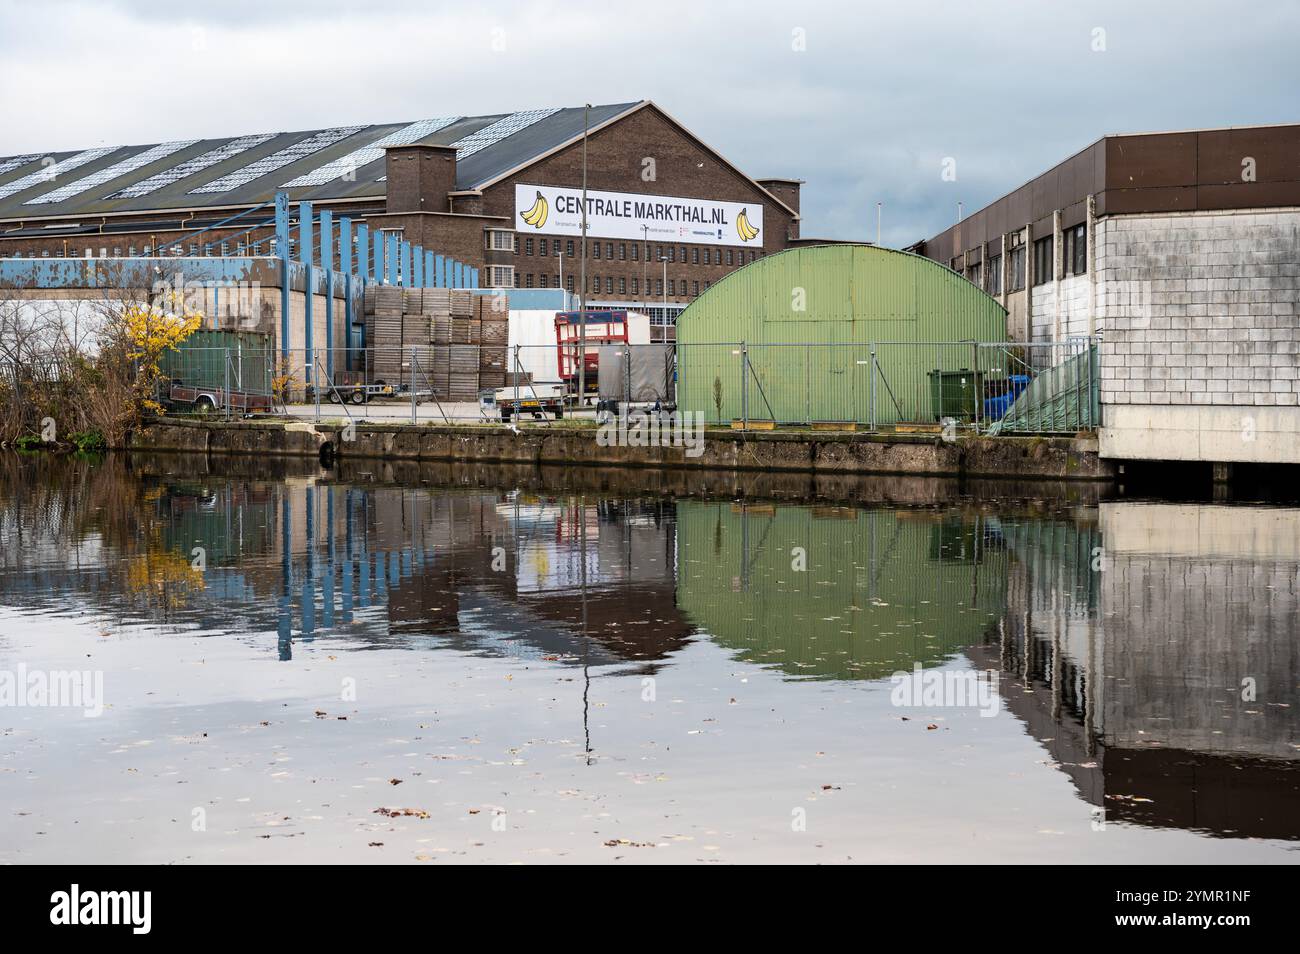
<point x="864" y="101"/>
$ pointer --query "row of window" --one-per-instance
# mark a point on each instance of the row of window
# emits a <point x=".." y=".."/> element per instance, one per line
<point x="597" y="284"/>
<point x="625" y="251"/>
<point x="1074" y="261"/>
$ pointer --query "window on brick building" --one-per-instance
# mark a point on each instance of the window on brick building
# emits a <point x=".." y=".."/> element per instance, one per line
<point x="695" y="288"/>
<point x="528" y="280"/>
<point x="1043" y="265"/>
<point x="555" y="246"/>
<point x="609" y="285"/>
<point x="528" y="246"/>
<point x="731" y="257"/>
<point x="672" y="286"/>
<point x="636" y="286"/>
<point x="659" y="286"/>
<point x="543" y="247"/>
<point x="568" y="248"/>
<point x="695" y="255"/>
<point x="499" y="240"/>
<point x="636" y="252"/>
<point x="568" y="283"/>
<point x="622" y="286"/>
<point x="622" y="251"/>
<point x="993" y="276"/>
<point x="609" y="251"/>
<point x="672" y="253"/>
<point x="1075" y="259"/>
<point x="683" y="254"/>
<point x="595" y="250"/>
<point x="542" y="280"/>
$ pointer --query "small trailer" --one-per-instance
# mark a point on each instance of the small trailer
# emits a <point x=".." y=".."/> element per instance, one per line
<point x="208" y="400"/>
<point x="536" y="399"/>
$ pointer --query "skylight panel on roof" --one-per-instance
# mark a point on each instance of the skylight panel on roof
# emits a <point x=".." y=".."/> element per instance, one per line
<point x="115" y="171"/>
<point x="51" y="172"/>
<point x="358" y="158"/>
<point x="190" y="166"/>
<point x="494" y="133"/>
<point x="13" y="162"/>
<point x="277" y="160"/>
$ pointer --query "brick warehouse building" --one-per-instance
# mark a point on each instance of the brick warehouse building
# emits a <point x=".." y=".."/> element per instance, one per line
<point x="448" y="184"/>
<point x="1182" y="250"/>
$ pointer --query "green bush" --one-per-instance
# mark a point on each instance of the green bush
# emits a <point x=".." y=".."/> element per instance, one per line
<point x="29" y="442"/>
<point x="89" y="442"/>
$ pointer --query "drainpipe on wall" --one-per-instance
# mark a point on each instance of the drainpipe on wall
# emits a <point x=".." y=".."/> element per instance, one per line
<point x="1029" y="281"/>
<point x="1056" y="275"/>
<point x="1092" y="265"/>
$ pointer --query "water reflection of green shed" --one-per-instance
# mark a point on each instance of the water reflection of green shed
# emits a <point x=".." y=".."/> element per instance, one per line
<point x="883" y="589"/>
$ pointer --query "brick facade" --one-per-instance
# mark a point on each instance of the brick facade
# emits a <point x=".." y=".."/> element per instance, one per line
<point x="422" y="202"/>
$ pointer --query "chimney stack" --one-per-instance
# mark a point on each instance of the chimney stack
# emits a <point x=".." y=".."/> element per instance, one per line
<point x="420" y="177"/>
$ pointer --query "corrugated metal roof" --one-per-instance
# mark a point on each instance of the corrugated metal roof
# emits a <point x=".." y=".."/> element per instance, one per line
<point x="215" y="172"/>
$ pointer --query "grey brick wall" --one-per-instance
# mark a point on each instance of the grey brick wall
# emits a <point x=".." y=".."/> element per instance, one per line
<point x="1200" y="308"/>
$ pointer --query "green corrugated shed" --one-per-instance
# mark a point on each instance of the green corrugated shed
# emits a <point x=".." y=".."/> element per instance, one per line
<point x="791" y="308"/>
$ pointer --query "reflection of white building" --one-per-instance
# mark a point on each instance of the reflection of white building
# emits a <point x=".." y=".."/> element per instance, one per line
<point x="1201" y="604"/>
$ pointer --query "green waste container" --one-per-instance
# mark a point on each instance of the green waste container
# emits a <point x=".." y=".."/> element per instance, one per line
<point x="954" y="393"/>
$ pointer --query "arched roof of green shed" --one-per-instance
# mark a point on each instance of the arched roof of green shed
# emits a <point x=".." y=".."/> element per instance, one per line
<point x="884" y="293"/>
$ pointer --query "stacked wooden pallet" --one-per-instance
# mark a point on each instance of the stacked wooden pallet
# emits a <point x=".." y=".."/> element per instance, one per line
<point x="446" y="341"/>
<point x="384" y="330"/>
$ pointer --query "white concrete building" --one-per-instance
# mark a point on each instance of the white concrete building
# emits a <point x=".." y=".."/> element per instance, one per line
<point x="1182" y="251"/>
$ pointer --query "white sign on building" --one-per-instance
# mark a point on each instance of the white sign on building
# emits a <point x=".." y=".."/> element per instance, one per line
<point x="631" y="215"/>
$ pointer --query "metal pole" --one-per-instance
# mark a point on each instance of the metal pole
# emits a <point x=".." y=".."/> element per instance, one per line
<point x="744" y="384"/>
<point x="411" y="384"/>
<point x="582" y="303"/>
<point x="873" y="386"/>
<point x="878" y="208"/>
<point x="225" y="394"/>
<point x="518" y="372"/>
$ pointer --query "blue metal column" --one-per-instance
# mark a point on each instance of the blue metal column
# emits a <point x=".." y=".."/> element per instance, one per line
<point x="440" y="263"/>
<point x="430" y="276"/>
<point x="405" y="260"/>
<point x="327" y="263"/>
<point x="390" y="258"/>
<point x="306" y="241"/>
<point x="282" y="249"/>
<point x="378" y="242"/>
<point x="345" y="266"/>
<point x="363" y="251"/>
<point x="417" y="266"/>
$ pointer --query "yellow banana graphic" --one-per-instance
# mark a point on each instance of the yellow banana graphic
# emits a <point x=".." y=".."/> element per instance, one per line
<point x="744" y="229"/>
<point x="536" y="216"/>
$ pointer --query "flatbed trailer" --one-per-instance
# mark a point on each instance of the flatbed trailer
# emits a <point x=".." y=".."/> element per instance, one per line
<point x="207" y="400"/>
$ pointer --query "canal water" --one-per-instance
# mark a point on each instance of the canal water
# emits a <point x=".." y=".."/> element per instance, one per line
<point x="446" y="663"/>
